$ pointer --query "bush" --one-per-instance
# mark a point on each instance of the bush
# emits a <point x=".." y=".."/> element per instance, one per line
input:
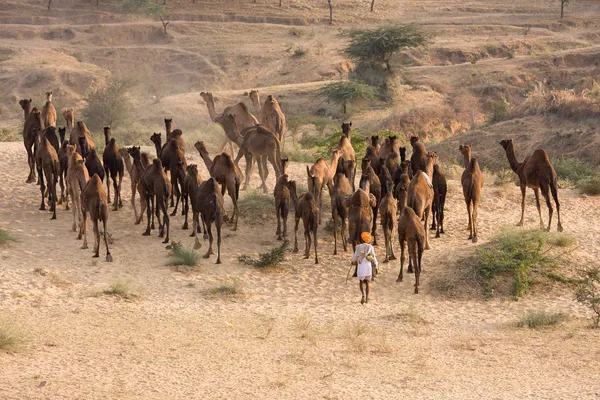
<point x="587" y="292"/>
<point x="110" y="105"/>
<point x="5" y="237"/>
<point x="590" y="185"/>
<point x="9" y="337"/>
<point x="178" y="255"/>
<point x="500" y="110"/>
<point x="344" y="93"/>
<point x="561" y="239"/>
<point x="119" y="289"/>
<point x="321" y="146"/>
<point x="572" y="169"/>
<point x="142" y="7"/>
<point x="10" y="135"/>
<point x="540" y="319"/>
<point x="268" y="259"/>
<point x="231" y="288"/>
<point x="504" y="176"/>
<point x="256" y="206"/>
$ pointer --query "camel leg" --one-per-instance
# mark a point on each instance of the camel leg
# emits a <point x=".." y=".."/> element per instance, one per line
<point x="234" y="194"/>
<point x="427" y="210"/>
<point x="391" y="243"/>
<point x="116" y="188"/>
<point x="296" y="235"/>
<point x="374" y="227"/>
<point x="555" y="196"/>
<point x="53" y="179"/>
<point x="157" y="210"/>
<point x="166" y="220"/>
<point x="306" y="238"/>
<point x="475" y="205"/>
<point x="151" y="197"/>
<point x="195" y="223"/>
<point x="75" y="214"/>
<point x="418" y="265"/>
<point x="62" y="188"/>
<point x="133" y="190"/>
<point x="433" y="214"/>
<point x="545" y="192"/>
<point x="343" y="231"/>
<point x="82" y="222"/>
<point x="84" y="216"/>
<point x="96" y="238"/>
<point x="402" y="260"/>
<point x="470" y="213"/>
<point x="334" y="217"/>
<point x="315" y="226"/>
<point x="320" y="194"/>
<point x="107" y="174"/>
<point x="148" y="216"/>
<point x="108" y="256"/>
<point x="67" y="193"/>
<point x="285" y="217"/>
<point x="266" y="171"/>
<point x="119" y="189"/>
<point x="42" y="188"/>
<point x="412" y="253"/>
<point x="539" y="208"/>
<point x="278" y="214"/>
<point x="210" y="239"/>
<point x="185" y="206"/>
<point x="262" y="172"/>
<point x="31" y="162"/>
<point x="248" y="171"/>
<point x="523" y="190"/>
<point x="177" y="195"/>
<point x="218" y="226"/>
<point x="142" y="206"/>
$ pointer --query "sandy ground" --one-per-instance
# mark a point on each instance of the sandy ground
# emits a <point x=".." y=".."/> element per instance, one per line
<point x="299" y="332"/>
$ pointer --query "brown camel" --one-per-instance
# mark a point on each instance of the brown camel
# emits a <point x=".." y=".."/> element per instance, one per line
<point x="537" y="173"/>
<point x="372" y="153"/>
<point x="391" y="144"/>
<point x="244" y="119"/>
<point x="348" y="154"/>
<point x="319" y="175"/>
<point x="47" y="166"/>
<point x="412" y="232"/>
<point x="270" y="114"/>
<point x="49" y="133"/>
<point x="472" y="184"/>
<point x="393" y="158"/>
<point x="209" y="205"/>
<point x="72" y="157"/>
<point x="79" y="132"/>
<point x="63" y="158"/>
<point x="261" y="144"/>
<point x="93" y="200"/>
<point x="404" y="169"/>
<point x="387" y="211"/>
<point x="191" y="183"/>
<point x="170" y="154"/>
<point x="440" y="188"/>
<point x="306" y="209"/>
<point x="92" y="161"/>
<point x="77" y="176"/>
<point x="420" y="193"/>
<point x="339" y="190"/>
<point x="32" y="127"/>
<point x="384" y="177"/>
<point x="141" y="162"/>
<point x="401" y="192"/>
<point x="173" y="133"/>
<point x="113" y="167"/>
<point x="375" y="190"/>
<point x="418" y="160"/>
<point x="284" y="191"/>
<point x="156" y="189"/>
<point x="360" y="211"/>
<point x="226" y="174"/>
<point x="69" y="116"/>
<point x="49" y="112"/>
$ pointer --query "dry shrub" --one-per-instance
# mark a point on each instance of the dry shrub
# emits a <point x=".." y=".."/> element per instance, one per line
<point x="431" y="120"/>
<point x="566" y="103"/>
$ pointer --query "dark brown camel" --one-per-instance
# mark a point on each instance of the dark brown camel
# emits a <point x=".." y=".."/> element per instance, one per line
<point x="537" y="173"/>
<point x="307" y="210"/>
<point x="170" y="154"/>
<point x="209" y="205"/>
<point x="440" y="188"/>
<point x="156" y="189"/>
<point x="360" y="211"/>
<point x="372" y="153"/>
<point x="387" y="210"/>
<point x="375" y="190"/>
<point x="472" y="184"/>
<point x="393" y="159"/>
<point x="339" y="190"/>
<point x="412" y="232"/>
<point x="191" y="183"/>
<point x="418" y="160"/>
<point x="226" y="174"/>
<point x="63" y="158"/>
<point x="47" y="166"/>
<point x="93" y="200"/>
<point x="284" y="192"/>
<point x="32" y="127"/>
<point x="384" y="177"/>
<point x="405" y="169"/>
<point x="113" y="167"/>
<point x="92" y="161"/>
<point x="420" y="193"/>
<point x="141" y="162"/>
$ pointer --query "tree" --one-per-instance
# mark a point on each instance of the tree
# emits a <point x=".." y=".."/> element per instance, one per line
<point x="563" y="3"/>
<point x="343" y="93"/>
<point x="110" y="104"/>
<point x="587" y="291"/>
<point x="375" y="47"/>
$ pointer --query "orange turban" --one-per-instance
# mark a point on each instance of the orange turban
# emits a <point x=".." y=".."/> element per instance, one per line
<point x="366" y="237"/>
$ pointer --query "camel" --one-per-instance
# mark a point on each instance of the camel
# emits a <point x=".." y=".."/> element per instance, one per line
<point x="261" y="144"/>
<point x="170" y="154"/>
<point x="31" y="128"/>
<point x="360" y="211"/>
<point x="270" y="114"/>
<point x="69" y="117"/>
<point x="156" y="188"/>
<point x="306" y="209"/>
<point x="319" y="175"/>
<point x="92" y="161"/>
<point x="420" y="193"/>
<point x="418" y="160"/>
<point x="93" y="200"/>
<point x="440" y="188"/>
<point x="387" y="211"/>
<point x="404" y="169"/>
<point x="209" y="205"/>
<point x="393" y="158"/>
<point x="226" y="174"/>
<point x="537" y="173"/>
<point x="77" y="176"/>
<point x="191" y="183"/>
<point x="375" y="190"/>
<point x="48" y="166"/>
<point x="113" y="166"/>
<point x="339" y="189"/>
<point x="401" y="192"/>
<point x="49" y="112"/>
<point x="141" y="162"/>
<point x="63" y="158"/>
<point x="348" y="153"/>
<point x="26" y="106"/>
<point x="243" y="117"/>
<point x="284" y="191"/>
<point x="472" y="183"/>
<point x="49" y="133"/>
<point x="391" y="144"/>
<point x="384" y="177"/>
<point x="72" y="157"/>
<point x="79" y="132"/>
<point x="372" y="153"/>
<point x="412" y="232"/>
<point x="173" y="133"/>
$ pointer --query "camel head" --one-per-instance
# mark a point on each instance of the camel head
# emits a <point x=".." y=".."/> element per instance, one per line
<point x="270" y="99"/>
<point x="192" y="170"/>
<point x="346" y="128"/>
<point x="64" y="144"/>
<point x="62" y="132"/>
<point x="366" y="163"/>
<point x="406" y="165"/>
<point x="413" y="140"/>
<point x="134" y="152"/>
<point x="71" y="149"/>
<point x="506" y="143"/>
<point x="254" y="96"/>
<point x="168" y="123"/>
<point x="465" y="149"/>
<point x="393" y="140"/>
<point x="201" y="147"/>
<point x="291" y="185"/>
<point x="156" y="138"/>
<point x="38" y="116"/>
<point x="364" y="183"/>
<point x="207" y="97"/>
<point x="433" y="156"/>
<point x="284" y="162"/>
<point x="390" y="187"/>
<point x="402" y="152"/>
<point x="49" y="97"/>
<point x="374" y="140"/>
<point x="68" y="114"/>
<point x="25" y="104"/>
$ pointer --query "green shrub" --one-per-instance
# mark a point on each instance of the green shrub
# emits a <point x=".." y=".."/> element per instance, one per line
<point x="296" y="32"/>
<point x="10" y="135"/>
<point x="300" y="51"/>
<point x="540" y="319"/>
<point x="110" y="105"/>
<point x="587" y="292"/>
<point x="572" y="169"/>
<point x="142" y="7"/>
<point x="504" y="176"/>
<point x="230" y="288"/>
<point x="344" y="93"/>
<point x="5" y="237"/>
<point x="179" y="255"/>
<point x="268" y="259"/>
<point x="500" y="110"/>
<point x="256" y="206"/>
<point x="120" y="289"/>
<point x="590" y="185"/>
<point x="561" y="239"/>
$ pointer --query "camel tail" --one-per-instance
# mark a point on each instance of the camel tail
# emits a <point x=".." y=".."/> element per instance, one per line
<point x="237" y="188"/>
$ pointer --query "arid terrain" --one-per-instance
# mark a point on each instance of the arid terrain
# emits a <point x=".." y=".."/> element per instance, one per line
<point x="298" y="330"/>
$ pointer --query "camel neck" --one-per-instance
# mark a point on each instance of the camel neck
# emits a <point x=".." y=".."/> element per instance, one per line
<point x="127" y="161"/>
<point x="256" y="104"/>
<point x="467" y="158"/>
<point x="207" y="161"/>
<point x="158" y="147"/>
<point x="512" y="158"/>
<point x="26" y="113"/>
<point x="106" y="138"/>
<point x="210" y="104"/>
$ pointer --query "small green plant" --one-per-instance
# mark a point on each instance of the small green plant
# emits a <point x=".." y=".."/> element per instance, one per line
<point x="190" y="284"/>
<point x="500" y="110"/>
<point x="119" y="289"/>
<point x="9" y="337"/>
<point x="590" y="185"/>
<point x="179" y="255"/>
<point x="142" y="7"/>
<point x="344" y="93"/>
<point x="504" y="176"/>
<point x="540" y="319"/>
<point x="5" y="237"/>
<point x="10" y="135"/>
<point x="233" y="287"/>
<point x="572" y="169"/>
<point x="587" y="292"/>
<point x="511" y="53"/>
<point x="257" y="206"/>
<point x="110" y="104"/>
<point x="561" y="240"/>
<point x="267" y="259"/>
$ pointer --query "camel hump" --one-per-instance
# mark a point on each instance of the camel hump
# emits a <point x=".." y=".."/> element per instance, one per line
<point x="541" y="154"/>
<point x="157" y="162"/>
<point x="474" y="164"/>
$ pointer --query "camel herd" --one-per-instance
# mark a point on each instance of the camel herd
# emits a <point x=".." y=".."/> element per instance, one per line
<point x="403" y="192"/>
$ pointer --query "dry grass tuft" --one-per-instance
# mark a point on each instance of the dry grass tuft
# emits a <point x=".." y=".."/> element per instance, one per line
<point x="540" y="319"/>
<point x="233" y="287"/>
<point x="9" y="336"/>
